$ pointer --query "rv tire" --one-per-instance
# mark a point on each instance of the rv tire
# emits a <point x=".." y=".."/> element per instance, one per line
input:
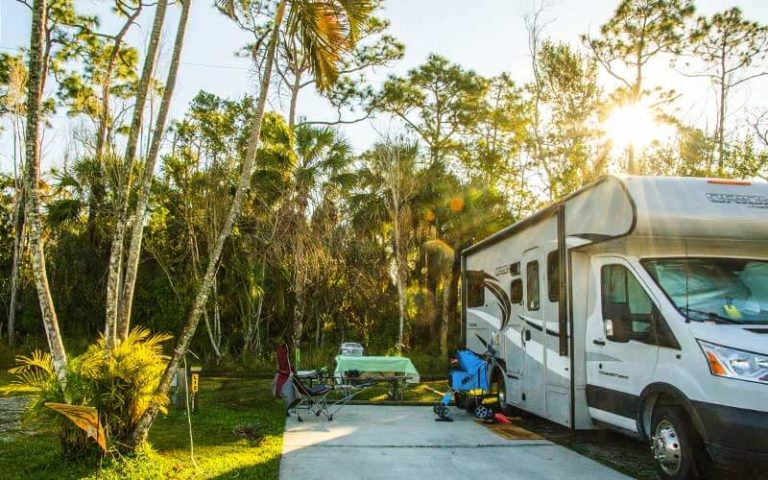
<point x="499" y="388"/>
<point x="677" y="448"/>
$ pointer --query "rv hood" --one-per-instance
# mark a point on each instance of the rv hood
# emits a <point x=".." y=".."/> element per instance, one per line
<point x="751" y="338"/>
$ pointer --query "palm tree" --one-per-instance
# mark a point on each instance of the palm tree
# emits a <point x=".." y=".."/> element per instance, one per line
<point x="34" y="95"/>
<point x="137" y="220"/>
<point x="326" y="29"/>
<point x="321" y="158"/>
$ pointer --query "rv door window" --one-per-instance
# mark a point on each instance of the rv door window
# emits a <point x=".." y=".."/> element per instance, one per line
<point x="475" y="289"/>
<point x="532" y="285"/>
<point x="553" y="275"/>
<point x="626" y="305"/>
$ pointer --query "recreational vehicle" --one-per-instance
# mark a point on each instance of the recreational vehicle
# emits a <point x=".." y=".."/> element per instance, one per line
<point x="638" y="304"/>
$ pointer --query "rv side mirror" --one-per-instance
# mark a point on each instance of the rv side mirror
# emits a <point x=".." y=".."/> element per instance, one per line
<point x="516" y="291"/>
<point x="616" y="330"/>
<point x="608" y="327"/>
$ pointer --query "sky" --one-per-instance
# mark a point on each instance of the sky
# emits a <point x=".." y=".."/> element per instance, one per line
<point x="487" y="36"/>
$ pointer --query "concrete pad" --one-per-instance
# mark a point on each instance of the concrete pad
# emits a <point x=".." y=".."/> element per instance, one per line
<point x="383" y="442"/>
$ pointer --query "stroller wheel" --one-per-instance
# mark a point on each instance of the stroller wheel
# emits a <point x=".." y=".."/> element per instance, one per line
<point x="442" y="411"/>
<point x="483" y="412"/>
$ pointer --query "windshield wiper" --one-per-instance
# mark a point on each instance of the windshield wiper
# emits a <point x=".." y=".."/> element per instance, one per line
<point x="715" y="317"/>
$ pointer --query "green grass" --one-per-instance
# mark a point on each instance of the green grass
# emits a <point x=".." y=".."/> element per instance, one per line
<point x="219" y="453"/>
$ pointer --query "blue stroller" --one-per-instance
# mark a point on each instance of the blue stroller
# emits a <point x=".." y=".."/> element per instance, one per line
<point x="464" y="383"/>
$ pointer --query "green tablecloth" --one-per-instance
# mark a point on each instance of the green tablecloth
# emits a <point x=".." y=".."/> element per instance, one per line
<point x="378" y="365"/>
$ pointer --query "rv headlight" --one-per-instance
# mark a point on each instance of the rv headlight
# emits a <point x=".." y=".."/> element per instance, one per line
<point x="729" y="362"/>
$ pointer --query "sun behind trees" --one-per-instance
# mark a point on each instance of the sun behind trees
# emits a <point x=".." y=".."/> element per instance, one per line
<point x="271" y="226"/>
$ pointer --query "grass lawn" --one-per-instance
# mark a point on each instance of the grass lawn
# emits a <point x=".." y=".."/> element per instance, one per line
<point x="219" y="453"/>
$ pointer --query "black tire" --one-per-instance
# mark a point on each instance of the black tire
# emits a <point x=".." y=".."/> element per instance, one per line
<point x="679" y="452"/>
<point x="499" y="388"/>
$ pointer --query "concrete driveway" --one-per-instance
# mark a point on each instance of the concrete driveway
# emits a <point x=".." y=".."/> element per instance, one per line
<point x="383" y="442"/>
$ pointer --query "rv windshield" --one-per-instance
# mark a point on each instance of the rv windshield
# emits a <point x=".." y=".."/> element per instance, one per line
<point x="721" y="290"/>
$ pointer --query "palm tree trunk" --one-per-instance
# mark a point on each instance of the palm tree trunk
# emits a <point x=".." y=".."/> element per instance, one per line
<point x="116" y="252"/>
<point x="137" y="229"/>
<point x="145" y="422"/>
<point x="34" y="95"/>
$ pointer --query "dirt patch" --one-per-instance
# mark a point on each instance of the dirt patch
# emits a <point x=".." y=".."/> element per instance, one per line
<point x="617" y="451"/>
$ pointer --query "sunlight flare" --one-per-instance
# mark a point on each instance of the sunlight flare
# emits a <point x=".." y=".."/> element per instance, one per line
<point x="634" y="125"/>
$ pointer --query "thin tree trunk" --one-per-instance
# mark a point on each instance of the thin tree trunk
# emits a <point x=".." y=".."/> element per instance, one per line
<point x="137" y="229"/>
<point x="98" y="190"/>
<point x="400" y="274"/>
<point x="144" y="423"/>
<point x="299" y="256"/>
<point x="116" y="252"/>
<point x="444" y="321"/>
<point x="295" y="88"/>
<point x="18" y="253"/>
<point x="721" y="128"/>
<point x="37" y="252"/>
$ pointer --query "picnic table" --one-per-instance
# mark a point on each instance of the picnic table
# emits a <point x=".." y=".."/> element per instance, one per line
<point x="397" y="371"/>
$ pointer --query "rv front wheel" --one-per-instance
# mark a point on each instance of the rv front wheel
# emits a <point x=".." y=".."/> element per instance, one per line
<point x="500" y="389"/>
<point x="675" y="444"/>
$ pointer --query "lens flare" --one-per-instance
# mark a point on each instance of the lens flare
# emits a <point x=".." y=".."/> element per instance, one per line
<point x="634" y="125"/>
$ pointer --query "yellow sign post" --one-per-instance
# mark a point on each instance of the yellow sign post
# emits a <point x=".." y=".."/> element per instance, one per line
<point x="195" y="382"/>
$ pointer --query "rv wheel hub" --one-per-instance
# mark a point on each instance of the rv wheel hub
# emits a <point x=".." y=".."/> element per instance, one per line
<point x="666" y="447"/>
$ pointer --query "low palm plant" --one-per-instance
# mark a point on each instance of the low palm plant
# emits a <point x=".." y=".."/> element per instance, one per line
<point x="124" y="381"/>
<point x="121" y="384"/>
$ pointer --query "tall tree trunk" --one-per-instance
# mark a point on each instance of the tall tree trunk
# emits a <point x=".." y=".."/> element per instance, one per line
<point x="137" y="229"/>
<point x="116" y="252"/>
<point x="400" y="273"/>
<point x="295" y="88"/>
<point x="453" y="294"/>
<point x="299" y="260"/>
<point x="37" y="252"/>
<point x="98" y="190"/>
<point x="721" y="127"/>
<point x="446" y="316"/>
<point x="145" y="422"/>
<point x="18" y="253"/>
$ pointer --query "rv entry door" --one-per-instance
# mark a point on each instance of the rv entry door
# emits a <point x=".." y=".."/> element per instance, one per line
<point x="621" y="343"/>
<point x="533" y="335"/>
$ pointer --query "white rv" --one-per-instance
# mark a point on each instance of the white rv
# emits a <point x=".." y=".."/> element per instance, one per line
<point x="638" y="304"/>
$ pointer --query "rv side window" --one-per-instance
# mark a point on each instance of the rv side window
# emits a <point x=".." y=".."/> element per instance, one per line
<point x="626" y="305"/>
<point x="553" y="275"/>
<point x="475" y="289"/>
<point x="516" y="291"/>
<point x="532" y="285"/>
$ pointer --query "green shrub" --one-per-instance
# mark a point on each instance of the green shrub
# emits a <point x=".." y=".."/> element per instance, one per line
<point x="121" y="383"/>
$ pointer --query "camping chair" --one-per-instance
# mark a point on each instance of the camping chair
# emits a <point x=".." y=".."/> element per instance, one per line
<point x="297" y="395"/>
<point x="314" y="399"/>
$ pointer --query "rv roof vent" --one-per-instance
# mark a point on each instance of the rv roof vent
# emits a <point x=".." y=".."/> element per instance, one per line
<point x="757" y="330"/>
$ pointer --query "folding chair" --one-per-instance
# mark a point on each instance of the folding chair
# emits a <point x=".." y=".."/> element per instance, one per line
<point x="314" y="399"/>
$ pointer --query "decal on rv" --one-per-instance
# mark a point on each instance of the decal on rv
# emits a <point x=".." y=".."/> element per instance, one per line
<point x="502" y="299"/>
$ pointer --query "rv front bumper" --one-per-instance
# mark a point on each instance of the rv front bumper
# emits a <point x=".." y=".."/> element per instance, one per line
<point x="736" y="438"/>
